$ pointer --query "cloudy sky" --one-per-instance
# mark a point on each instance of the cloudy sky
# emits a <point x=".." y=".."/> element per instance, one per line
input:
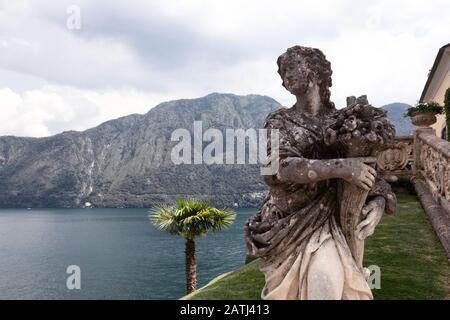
<point x="127" y="56"/>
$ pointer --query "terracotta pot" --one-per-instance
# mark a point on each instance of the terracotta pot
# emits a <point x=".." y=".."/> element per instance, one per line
<point x="423" y="118"/>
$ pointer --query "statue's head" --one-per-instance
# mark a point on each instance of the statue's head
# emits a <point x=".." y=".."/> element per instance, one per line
<point x="301" y="68"/>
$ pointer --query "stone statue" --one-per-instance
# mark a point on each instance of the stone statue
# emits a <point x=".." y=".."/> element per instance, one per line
<point x="325" y="198"/>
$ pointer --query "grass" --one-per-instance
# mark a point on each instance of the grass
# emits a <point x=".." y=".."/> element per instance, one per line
<point x="244" y="283"/>
<point x="413" y="263"/>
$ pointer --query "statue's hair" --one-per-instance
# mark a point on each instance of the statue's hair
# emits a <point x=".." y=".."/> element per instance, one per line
<point x="314" y="63"/>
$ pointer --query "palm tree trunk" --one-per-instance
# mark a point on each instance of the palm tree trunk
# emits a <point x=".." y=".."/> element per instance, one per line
<point x="191" y="267"/>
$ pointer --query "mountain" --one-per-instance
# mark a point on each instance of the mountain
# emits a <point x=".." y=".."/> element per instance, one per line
<point x="126" y="162"/>
<point x="403" y="125"/>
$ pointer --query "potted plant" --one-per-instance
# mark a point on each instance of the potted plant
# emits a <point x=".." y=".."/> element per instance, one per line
<point x="424" y="113"/>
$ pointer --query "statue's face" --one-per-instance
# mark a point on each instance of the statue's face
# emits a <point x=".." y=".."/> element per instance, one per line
<point x="295" y="78"/>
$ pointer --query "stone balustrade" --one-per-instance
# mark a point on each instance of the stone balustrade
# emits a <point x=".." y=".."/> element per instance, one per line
<point x="423" y="155"/>
<point x="434" y="166"/>
<point x="423" y="159"/>
<point x="397" y="162"/>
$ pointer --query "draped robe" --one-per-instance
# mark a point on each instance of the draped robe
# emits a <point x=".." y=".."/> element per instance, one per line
<point x="295" y="220"/>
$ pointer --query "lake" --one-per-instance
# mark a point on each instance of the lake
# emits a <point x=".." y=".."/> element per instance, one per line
<point x="120" y="254"/>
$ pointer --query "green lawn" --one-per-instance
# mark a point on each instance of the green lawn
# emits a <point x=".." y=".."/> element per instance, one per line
<point x="412" y="261"/>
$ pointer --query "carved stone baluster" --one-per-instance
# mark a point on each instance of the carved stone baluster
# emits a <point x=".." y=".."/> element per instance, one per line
<point x="446" y="175"/>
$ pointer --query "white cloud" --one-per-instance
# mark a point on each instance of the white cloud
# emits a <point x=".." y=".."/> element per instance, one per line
<point x="131" y="55"/>
<point x="53" y="109"/>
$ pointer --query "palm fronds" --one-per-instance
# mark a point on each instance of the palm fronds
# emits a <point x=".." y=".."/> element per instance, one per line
<point x="191" y="217"/>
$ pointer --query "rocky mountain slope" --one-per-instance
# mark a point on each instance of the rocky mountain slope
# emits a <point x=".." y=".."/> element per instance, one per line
<point x="126" y="162"/>
<point x="403" y="125"/>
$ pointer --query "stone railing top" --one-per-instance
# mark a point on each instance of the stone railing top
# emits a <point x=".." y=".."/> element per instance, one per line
<point x="404" y="137"/>
<point x="435" y="142"/>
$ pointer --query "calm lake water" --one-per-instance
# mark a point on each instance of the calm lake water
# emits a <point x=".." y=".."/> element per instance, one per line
<point x="121" y="255"/>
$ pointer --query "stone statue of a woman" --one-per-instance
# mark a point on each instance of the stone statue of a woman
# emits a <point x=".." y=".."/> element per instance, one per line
<point x="297" y="232"/>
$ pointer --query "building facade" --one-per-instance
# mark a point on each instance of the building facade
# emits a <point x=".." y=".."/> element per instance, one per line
<point x="437" y="84"/>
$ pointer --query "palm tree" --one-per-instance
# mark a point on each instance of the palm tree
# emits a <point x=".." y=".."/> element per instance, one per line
<point x="189" y="219"/>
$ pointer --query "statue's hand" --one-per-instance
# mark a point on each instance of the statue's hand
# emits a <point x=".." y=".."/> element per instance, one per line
<point x="372" y="212"/>
<point x="358" y="173"/>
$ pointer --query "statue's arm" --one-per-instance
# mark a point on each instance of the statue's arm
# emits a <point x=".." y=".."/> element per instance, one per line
<point x="382" y="190"/>
<point x="299" y="170"/>
<point x="303" y="171"/>
<point x="380" y="199"/>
